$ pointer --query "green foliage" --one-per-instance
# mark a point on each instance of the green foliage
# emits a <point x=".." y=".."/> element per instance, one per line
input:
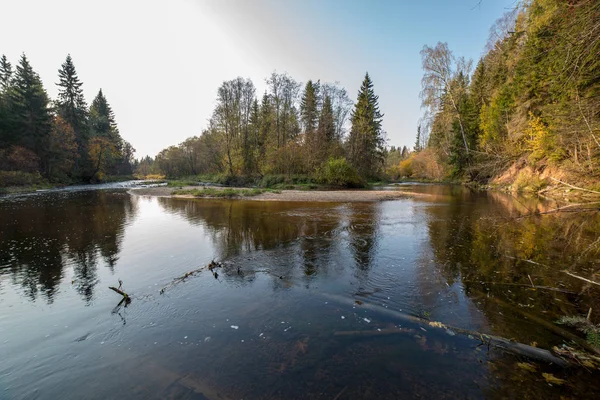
<point x="339" y="172"/>
<point x="251" y="142"/>
<point x="71" y="105"/>
<point x="542" y="142"/>
<point x="281" y="181"/>
<point x="56" y="142"/>
<point x="534" y="94"/>
<point x="30" y="109"/>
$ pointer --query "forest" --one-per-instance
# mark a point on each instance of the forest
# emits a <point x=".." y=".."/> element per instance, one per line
<point x="294" y="132"/>
<point x="527" y="112"/>
<point x="44" y="141"/>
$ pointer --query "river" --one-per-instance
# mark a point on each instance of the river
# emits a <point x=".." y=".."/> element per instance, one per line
<point x="308" y="303"/>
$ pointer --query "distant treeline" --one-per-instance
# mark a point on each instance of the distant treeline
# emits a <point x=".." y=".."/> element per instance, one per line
<point x="56" y="141"/>
<point x="289" y="131"/>
<point x="533" y="100"/>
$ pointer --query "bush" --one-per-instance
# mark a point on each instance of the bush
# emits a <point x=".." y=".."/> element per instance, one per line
<point x="284" y="181"/>
<point x="338" y="172"/>
<point x="406" y="167"/>
<point x="19" y="178"/>
<point x="528" y="181"/>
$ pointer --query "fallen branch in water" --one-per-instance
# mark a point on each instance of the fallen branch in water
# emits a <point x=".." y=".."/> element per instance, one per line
<point x="210" y="266"/>
<point x="490" y="340"/>
<point x="122" y="293"/>
<point x="126" y="299"/>
<point x="580" y="277"/>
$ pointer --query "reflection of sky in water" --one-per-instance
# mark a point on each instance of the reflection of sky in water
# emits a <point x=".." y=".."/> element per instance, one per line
<point x="286" y="267"/>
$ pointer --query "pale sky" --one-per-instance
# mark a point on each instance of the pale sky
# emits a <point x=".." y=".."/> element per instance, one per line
<point x="159" y="63"/>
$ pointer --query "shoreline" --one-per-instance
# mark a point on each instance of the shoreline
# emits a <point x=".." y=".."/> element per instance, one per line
<point x="331" y="196"/>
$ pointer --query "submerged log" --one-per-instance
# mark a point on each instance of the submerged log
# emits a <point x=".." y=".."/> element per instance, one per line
<point x="381" y="332"/>
<point x="540" y="321"/>
<point x="491" y="340"/>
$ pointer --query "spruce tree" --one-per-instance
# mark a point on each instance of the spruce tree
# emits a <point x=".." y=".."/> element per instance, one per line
<point x="418" y="145"/>
<point x="6" y="117"/>
<point x="365" y="142"/>
<point x="5" y="74"/>
<point x="71" y="105"/>
<point x="105" y="147"/>
<point x="326" y="128"/>
<point x="309" y="108"/>
<point x="102" y="118"/>
<point x="31" y="111"/>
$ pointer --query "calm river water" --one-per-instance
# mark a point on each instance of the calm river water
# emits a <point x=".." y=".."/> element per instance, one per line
<point x="309" y="303"/>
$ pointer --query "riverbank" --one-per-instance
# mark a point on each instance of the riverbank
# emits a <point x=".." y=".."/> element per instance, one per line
<point x="345" y="196"/>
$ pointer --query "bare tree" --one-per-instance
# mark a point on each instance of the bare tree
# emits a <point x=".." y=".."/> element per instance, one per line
<point x="441" y="80"/>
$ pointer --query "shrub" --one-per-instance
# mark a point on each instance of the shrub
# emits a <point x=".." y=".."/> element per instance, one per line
<point x="284" y="181"/>
<point x="338" y="172"/>
<point x="19" y="178"/>
<point x="528" y="181"/>
<point x="406" y="167"/>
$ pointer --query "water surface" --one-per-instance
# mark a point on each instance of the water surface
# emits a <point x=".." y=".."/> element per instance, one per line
<point x="308" y="303"/>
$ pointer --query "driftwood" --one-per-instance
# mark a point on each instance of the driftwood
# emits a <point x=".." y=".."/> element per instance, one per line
<point x="575" y="187"/>
<point x="126" y="299"/>
<point x="580" y="277"/>
<point x="212" y="266"/>
<point x="490" y="340"/>
<point x="122" y="293"/>
<point x="547" y="266"/>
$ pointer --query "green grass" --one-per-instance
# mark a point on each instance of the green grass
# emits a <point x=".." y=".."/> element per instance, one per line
<point x="223" y="193"/>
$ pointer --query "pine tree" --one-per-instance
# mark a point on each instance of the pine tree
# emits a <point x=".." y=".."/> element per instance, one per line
<point x="366" y="141"/>
<point x="30" y="105"/>
<point x="71" y="105"/>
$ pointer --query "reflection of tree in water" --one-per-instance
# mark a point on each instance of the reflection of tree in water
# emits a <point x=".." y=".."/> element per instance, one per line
<point x="483" y="241"/>
<point x="296" y="235"/>
<point x="46" y="233"/>
<point x="363" y="220"/>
